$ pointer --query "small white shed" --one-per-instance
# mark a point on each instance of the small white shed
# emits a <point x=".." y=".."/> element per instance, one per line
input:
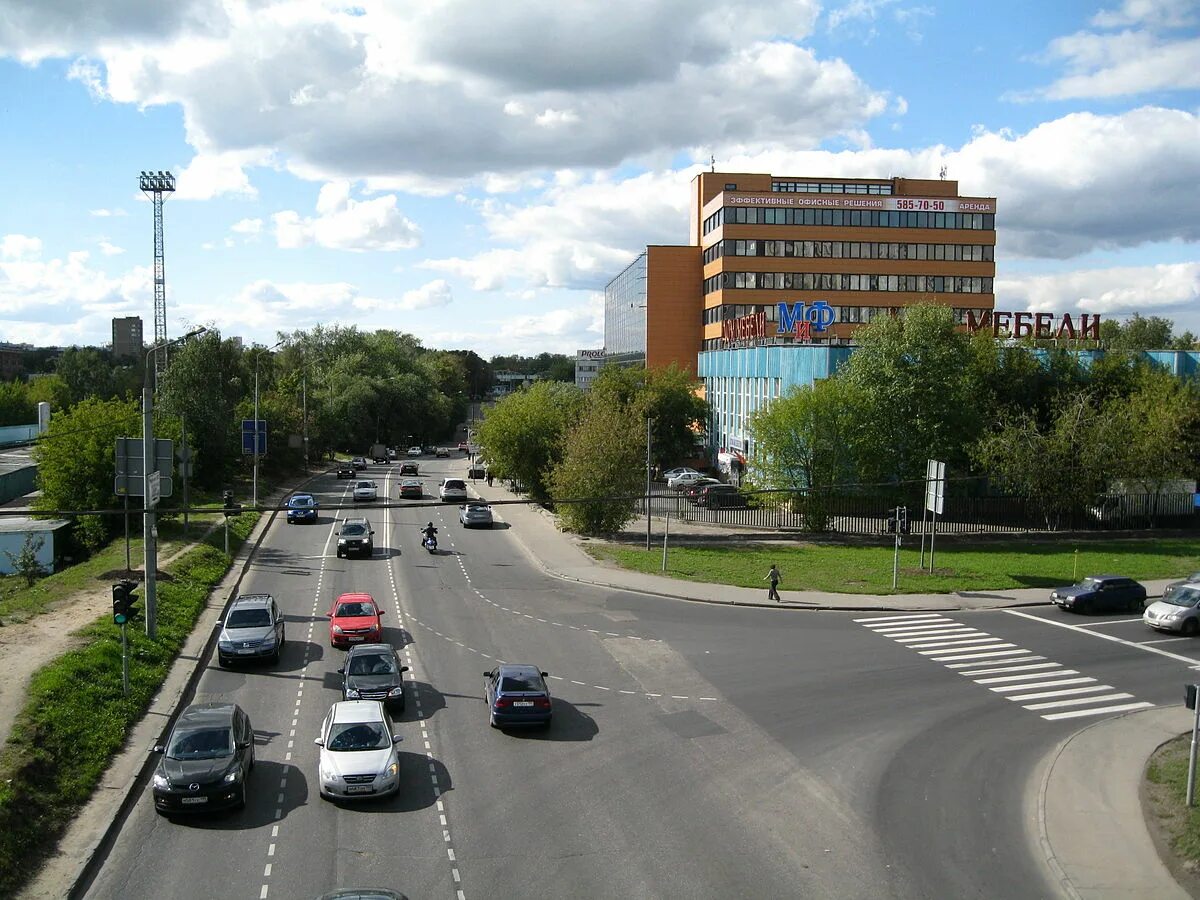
<point x="14" y="532"/>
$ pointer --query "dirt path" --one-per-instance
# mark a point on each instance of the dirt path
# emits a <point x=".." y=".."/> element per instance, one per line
<point x="27" y="646"/>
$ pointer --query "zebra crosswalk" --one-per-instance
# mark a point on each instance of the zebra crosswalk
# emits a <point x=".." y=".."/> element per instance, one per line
<point x="1038" y="684"/>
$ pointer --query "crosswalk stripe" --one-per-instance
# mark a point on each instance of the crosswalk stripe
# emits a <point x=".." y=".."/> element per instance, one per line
<point x="1017" y="652"/>
<point x="962" y="641"/>
<point x="1078" y="701"/>
<point x="1065" y="692"/>
<point x="972" y="672"/>
<point x="880" y="619"/>
<point x="972" y="665"/>
<point x="1076" y="713"/>
<point x="937" y="654"/>
<point x="956" y="632"/>
<point x="893" y="630"/>
<point x="1057" y="682"/>
<point x="1028" y="676"/>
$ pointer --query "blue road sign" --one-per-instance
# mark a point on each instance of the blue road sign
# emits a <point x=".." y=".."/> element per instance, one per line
<point x="248" y="437"/>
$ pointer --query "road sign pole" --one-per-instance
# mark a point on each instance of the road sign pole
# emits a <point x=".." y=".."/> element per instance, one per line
<point x="932" y="535"/>
<point x="666" y="531"/>
<point x="124" y="662"/>
<point x="128" y="567"/>
<point x="896" y="555"/>
<point x="1191" y="779"/>
<point x="185" y="456"/>
<point x="149" y="536"/>
<point x="227" y="535"/>
<point x="923" y="519"/>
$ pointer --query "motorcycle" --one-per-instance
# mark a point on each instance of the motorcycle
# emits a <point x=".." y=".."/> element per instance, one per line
<point x="429" y="542"/>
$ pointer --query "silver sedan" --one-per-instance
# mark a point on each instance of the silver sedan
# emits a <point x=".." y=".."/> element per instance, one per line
<point x="1177" y="611"/>
<point x="475" y="515"/>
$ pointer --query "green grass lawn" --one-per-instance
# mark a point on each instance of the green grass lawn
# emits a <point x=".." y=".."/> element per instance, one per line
<point x="868" y="570"/>
<point x="1166" y="778"/>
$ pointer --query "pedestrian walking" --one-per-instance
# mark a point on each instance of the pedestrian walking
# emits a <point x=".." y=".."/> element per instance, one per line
<point x="774" y="577"/>
<point x="488" y="475"/>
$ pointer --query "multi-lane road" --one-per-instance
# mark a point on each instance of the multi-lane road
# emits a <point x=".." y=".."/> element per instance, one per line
<point x="696" y="751"/>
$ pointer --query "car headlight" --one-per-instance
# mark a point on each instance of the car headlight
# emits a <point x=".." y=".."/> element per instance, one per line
<point x="161" y="782"/>
<point x="337" y="629"/>
<point x="233" y="775"/>
<point x="352" y="694"/>
<point x="396" y="691"/>
<point x="225" y="645"/>
<point x="390" y="771"/>
<point x="328" y="776"/>
<point x="269" y="640"/>
<point x="341" y="541"/>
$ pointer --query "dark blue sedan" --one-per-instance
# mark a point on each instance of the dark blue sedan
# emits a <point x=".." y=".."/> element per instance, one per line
<point x="517" y="695"/>
<point x="302" y="508"/>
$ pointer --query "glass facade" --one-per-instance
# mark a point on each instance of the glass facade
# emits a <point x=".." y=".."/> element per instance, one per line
<point x="625" y="315"/>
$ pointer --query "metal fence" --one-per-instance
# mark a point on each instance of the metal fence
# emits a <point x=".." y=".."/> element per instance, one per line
<point x="866" y="515"/>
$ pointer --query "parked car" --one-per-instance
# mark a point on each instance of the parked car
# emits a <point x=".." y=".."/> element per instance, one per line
<point x="442" y="452"/>
<point x="252" y="629"/>
<point x="345" y="470"/>
<point x="1176" y="585"/>
<point x="722" y="496"/>
<point x="453" y="489"/>
<point x="206" y="760"/>
<point x="684" y="479"/>
<point x="355" y="537"/>
<point x="354" y="619"/>
<point x="358" y="752"/>
<point x="517" y="695"/>
<point x="365" y="491"/>
<point x="1177" y="611"/>
<point x="414" y="451"/>
<point x="678" y="470"/>
<point x="475" y="515"/>
<point x="693" y="491"/>
<point x="410" y="489"/>
<point x="475" y="470"/>
<point x="359" y="462"/>
<point x="462" y="446"/>
<point x="373" y="672"/>
<point x="1101" y="593"/>
<point x="408" y="467"/>
<point x="302" y="508"/>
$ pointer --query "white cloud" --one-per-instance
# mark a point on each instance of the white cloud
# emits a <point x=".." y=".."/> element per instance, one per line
<point x="427" y="296"/>
<point x="343" y="223"/>
<point x="110" y="249"/>
<point x="247" y="226"/>
<point x="211" y="175"/>
<point x="1154" y="13"/>
<point x="20" y="246"/>
<point x="104" y="213"/>
<point x="559" y="330"/>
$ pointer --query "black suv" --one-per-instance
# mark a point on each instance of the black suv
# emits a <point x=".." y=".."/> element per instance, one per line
<point x="345" y="470"/>
<point x="355" y="538"/>
<point x="205" y="761"/>
<point x="373" y="672"/>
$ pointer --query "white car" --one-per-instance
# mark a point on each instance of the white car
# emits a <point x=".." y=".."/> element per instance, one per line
<point x="684" y="479"/>
<point x="414" y="451"/>
<point x="358" y="752"/>
<point x="1178" y="611"/>
<point x="679" y="470"/>
<point x="365" y="490"/>
<point x="475" y="515"/>
<point x="453" y="489"/>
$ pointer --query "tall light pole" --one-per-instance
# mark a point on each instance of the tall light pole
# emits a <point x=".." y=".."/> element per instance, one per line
<point x="150" y="535"/>
<point x="257" y="360"/>
<point x="648" y="421"/>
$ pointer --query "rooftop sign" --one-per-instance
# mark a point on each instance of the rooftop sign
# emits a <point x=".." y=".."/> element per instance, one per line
<point x="836" y="201"/>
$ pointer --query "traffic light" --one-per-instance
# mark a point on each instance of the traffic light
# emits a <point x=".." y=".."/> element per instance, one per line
<point x="231" y="508"/>
<point x="124" y="600"/>
<point x="903" y="511"/>
<point x="891" y="523"/>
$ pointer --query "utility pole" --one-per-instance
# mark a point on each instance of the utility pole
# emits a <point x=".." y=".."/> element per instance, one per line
<point x="648" y="421"/>
<point x="257" y="360"/>
<point x="304" y="414"/>
<point x="154" y="185"/>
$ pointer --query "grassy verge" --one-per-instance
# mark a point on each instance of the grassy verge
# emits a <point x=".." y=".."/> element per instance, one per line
<point x="19" y="602"/>
<point x="76" y="718"/>
<point x="1166" y="790"/>
<point x="868" y="570"/>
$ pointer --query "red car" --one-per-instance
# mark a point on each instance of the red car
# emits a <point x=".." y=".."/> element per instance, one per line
<point x="354" y="619"/>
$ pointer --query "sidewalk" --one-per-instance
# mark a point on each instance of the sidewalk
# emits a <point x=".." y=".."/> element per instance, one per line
<point x="1090" y="824"/>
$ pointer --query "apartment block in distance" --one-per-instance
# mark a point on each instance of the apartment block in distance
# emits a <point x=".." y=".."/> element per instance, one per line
<point x="127" y="338"/>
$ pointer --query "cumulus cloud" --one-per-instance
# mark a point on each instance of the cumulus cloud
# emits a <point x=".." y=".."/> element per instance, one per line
<point x="343" y="223"/>
<point x="19" y="246"/>
<point x="427" y="296"/>
<point x="439" y="94"/>
<point x="110" y="249"/>
<point x="556" y="330"/>
<point x="105" y="213"/>
<point x="247" y="226"/>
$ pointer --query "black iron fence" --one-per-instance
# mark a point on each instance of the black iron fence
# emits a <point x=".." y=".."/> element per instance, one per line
<point x="868" y="515"/>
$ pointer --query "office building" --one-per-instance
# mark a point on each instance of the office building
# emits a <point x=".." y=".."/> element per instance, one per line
<point x="127" y="338"/>
<point x="587" y="366"/>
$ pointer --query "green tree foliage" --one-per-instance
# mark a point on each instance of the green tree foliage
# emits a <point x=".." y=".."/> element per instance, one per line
<point x="76" y="462"/>
<point x="1139" y="333"/>
<point x="915" y="385"/>
<point x="91" y="372"/>
<point x="522" y="435"/>
<point x="667" y="396"/>
<point x="25" y="561"/>
<point x="600" y="463"/>
<point x="49" y="389"/>
<point x="551" y="366"/>
<point x="15" y="406"/>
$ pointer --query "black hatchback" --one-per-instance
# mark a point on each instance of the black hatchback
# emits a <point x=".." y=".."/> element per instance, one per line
<point x="205" y="761"/>
<point x="517" y="695"/>
<point x="1101" y="593"/>
<point x="373" y="672"/>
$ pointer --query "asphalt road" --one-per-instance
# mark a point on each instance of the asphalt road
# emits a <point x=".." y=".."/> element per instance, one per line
<point x="697" y="751"/>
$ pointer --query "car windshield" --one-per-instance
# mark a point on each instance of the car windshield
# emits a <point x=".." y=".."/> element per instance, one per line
<point x="302" y="501"/>
<point x="1091" y="584"/>
<point x="353" y="530"/>
<point x="364" y="484"/>
<point x="248" y="618"/>
<point x="201" y="743"/>
<point x="455" y="485"/>
<point x="372" y="664"/>
<point x="351" y="736"/>
<point x="1184" y="596"/>
<point x="351" y="610"/>
<point x="528" y="682"/>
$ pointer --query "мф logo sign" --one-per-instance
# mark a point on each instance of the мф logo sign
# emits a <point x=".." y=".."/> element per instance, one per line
<point x="803" y="322"/>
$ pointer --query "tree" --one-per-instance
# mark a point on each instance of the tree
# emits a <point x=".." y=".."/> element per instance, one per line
<point x="25" y="561"/>
<point x="522" y="435"/>
<point x="15" y="406"/>
<point x="87" y="373"/>
<point x="50" y="389"/>
<point x="76" y="462"/>
<point x="1138" y="333"/>
<point x="916" y="392"/>
<point x="600" y="463"/>
<point x="665" y="395"/>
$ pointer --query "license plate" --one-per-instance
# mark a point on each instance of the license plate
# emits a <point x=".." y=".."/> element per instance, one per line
<point x="246" y="650"/>
<point x="191" y="801"/>
<point x="522" y="703"/>
<point x="359" y="789"/>
<point x="353" y="638"/>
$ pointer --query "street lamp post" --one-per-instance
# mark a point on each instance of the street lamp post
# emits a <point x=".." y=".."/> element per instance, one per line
<point x="150" y="535"/>
<point x="257" y="360"/>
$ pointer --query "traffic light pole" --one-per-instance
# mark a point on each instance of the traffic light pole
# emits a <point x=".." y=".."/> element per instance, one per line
<point x="150" y="534"/>
<point x="124" y="661"/>
<point x="896" y="556"/>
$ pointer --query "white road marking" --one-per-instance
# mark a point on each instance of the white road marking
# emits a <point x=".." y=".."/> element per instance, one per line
<point x="1058" y="682"/>
<point x="1078" y="701"/>
<point x="958" y="642"/>
<point x="874" y="620"/>
<point x="985" y="655"/>
<point x="1167" y="640"/>
<point x="1106" y="622"/>
<point x="1076" y="713"/>
<point x="1066" y="692"/>
<point x="968" y="665"/>
<point x="1191" y="661"/>
<point x="1028" y="676"/>
<point x="945" y="652"/>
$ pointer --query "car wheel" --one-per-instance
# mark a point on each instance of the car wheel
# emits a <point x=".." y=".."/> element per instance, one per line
<point x="1189" y="628"/>
<point x="275" y="657"/>
<point x="1137" y="606"/>
<point x="1083" y="607"/>
<point x="241" y="804"/>
<point x="253" y="759"/>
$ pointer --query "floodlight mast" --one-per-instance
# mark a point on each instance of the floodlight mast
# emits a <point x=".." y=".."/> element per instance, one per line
<point x="154" y="185"/>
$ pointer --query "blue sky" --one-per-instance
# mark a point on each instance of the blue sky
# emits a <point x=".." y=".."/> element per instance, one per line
<point x="474" y="173"/>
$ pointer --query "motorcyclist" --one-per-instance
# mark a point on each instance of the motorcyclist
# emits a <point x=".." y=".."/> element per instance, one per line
<point x="429" y="533"/>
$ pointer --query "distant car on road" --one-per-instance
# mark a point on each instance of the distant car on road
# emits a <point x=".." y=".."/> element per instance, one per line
<point x="358" y="752"/>
<point x="302" y="508"/>
<point x="722" y="496"/>
<point x="365" y="491"/>
<point x="693" y="491"/>
<point x="206" y="761"/>
<point x="678" y="470"/>
<point x="517" y="695"/>
<point x="410" y="489"/>
<point x="1177" y="611"/>
<point x="252" y="629"/>
<point x="415" y="451"/>
<point x="475" y="515"/>
<point x="453" y="489"/>
<point x="462" y="446"/>
<point x="684" y="479"/>
<point x="359" y="462"/>
<point x="355" y="536"/>
<point x="1171" y="588"/>
<point x="1101" y="593"/>
<point x="408" y="467"/>
<point x="354" y="619"/>
<point x="345" y="470"/>
<point x="442" y="453"/>
<point x="373" y="672"/>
